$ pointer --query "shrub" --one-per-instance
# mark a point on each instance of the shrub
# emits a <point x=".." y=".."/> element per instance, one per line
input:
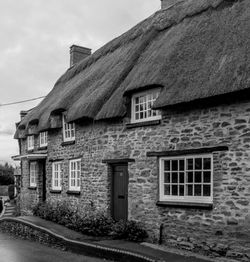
<point x="89" y="220"/>
<point x="96" y="223"/>
<point x="130" y="230"/>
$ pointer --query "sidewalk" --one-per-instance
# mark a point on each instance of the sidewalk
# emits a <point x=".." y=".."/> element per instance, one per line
<point x="119" y="250"/>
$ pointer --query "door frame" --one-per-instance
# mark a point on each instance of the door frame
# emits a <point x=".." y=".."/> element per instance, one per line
<point x="112" y="187"/>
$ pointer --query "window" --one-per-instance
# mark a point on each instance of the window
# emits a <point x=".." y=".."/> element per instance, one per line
<point x="57" y="175"/>
<point x="68" y="130"/>
<point x="141" y="107"/>
<point x="74" y="174"/>
<point x="43" y="139"/>
<point x="33" y="173"/>
<point x="186" y="179"/>
<point x="31" y="142"/>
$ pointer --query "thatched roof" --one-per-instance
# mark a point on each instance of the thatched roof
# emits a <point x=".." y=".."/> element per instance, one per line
<point x="195" y="49"/>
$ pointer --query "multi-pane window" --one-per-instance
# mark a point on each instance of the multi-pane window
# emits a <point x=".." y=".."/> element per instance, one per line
<point x="43" y="139"/>
<point x="142" y="107"/>
<point x="33" y="173"/>
<point x="31" y="142"/>
<point x="74" y="174"/>
<point x="68" y="130"/>
<point x="57" y="175"/>
<point x="187" y="179"/>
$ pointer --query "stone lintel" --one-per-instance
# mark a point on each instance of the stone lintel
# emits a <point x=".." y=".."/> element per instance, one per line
<point x="188" y="151"/>
<point x="117" y="161"/>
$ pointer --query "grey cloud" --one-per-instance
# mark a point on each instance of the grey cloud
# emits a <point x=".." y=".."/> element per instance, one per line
<point x="35" y="40"/>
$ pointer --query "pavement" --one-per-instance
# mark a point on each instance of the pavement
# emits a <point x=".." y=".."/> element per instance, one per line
<point x="18" y="250"/>
<point x="118" y="250"/>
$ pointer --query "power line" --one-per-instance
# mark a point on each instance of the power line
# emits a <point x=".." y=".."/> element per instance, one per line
<point x="23" y="101"/>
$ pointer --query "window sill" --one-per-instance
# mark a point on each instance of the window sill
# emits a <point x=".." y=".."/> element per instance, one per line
<point x="32" y="187"/>
<point x="67" y="143"/>
<point x="186" y="205"/>
<point x="55" y="191"/>
<point x="73" y="192"/>
<point x="146" y="123"/>
<point x="30" y="150"/>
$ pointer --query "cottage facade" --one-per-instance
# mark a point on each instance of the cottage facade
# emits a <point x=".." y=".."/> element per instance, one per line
<point x="154" y="127"/>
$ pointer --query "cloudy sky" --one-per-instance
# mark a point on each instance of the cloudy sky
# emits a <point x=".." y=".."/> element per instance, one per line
<point x="34" y="48"/>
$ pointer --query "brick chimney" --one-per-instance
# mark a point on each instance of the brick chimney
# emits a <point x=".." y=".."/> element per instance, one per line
<point x="23" y="114"/>
<point x="167" y="3"/>
<point x="78" y="53"/>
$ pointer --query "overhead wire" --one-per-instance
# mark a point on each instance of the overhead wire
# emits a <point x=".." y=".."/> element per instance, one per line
<point x="22" y="101"/>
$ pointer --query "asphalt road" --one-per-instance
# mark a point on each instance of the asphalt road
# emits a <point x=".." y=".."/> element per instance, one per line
<point x="17" y="250"/>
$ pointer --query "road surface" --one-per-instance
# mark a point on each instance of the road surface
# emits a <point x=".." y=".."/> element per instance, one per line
<point x="17" y="250"/>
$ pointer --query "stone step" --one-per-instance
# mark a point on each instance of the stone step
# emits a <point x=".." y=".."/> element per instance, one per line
<point x="10" y="208"/>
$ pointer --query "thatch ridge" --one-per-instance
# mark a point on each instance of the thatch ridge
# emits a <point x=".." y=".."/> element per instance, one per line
<point x="159" y="51"/>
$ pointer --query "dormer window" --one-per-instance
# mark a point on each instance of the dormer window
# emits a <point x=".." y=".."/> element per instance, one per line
<point x="30" y="142"/>
<point x="142" y="106"/>
<point x="68" y="130"/>
<point x="43" y="139"/>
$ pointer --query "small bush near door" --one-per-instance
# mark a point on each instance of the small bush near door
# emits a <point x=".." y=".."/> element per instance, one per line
<point x="89" y="220"/>
<point x="130" y="230"/>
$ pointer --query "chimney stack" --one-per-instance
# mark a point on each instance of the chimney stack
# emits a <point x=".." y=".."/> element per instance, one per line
<point x="78" y="53"/>
<point x="23" y="114"/>
<point x="168" y="3"/>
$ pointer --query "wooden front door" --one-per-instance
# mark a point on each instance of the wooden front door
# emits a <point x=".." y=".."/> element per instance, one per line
<point x="120" y="192"/>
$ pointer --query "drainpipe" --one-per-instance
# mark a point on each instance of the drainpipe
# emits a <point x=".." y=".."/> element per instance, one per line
<point x="160" y="234"/>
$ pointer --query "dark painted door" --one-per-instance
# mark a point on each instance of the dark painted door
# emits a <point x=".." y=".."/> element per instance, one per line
<point x="120" y="192"/>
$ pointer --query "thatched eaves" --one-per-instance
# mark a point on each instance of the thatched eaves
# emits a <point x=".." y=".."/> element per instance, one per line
<point x="195" y="49"/>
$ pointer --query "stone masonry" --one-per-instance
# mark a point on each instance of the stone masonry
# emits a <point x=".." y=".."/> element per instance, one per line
<point x="223" y="230"/>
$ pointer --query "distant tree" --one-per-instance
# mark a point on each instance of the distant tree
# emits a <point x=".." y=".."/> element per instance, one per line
<point x="6" y="174"/>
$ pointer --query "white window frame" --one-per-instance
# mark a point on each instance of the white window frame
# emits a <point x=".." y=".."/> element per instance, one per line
<point x="186" y="198"/>
<point x="30" y="142"/>
<point x="43" y="139"/>
<point x="33" y="174"/>
<point x="145" y="94"/>
<point x="75" y="174"/>
<point x="68" y="130"/>
<point x="57" y="171"/>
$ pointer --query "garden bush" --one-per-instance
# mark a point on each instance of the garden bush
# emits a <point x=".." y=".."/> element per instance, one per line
<point x="88" y="220"/>
<point x="129" y="230"/>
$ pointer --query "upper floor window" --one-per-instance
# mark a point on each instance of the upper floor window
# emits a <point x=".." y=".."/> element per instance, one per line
<point x="186" y="179"/>
<point x="57" y="175"/>
<point x="142" y="106"/>
<point x="31" y="142"/>
<point x="74" y="174"/>
<point x="43" y="139"/>
<point x="68" y="130"/>
<point x="33" y="173"/>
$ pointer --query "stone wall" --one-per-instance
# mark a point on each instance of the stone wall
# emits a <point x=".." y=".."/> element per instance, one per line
<point x="29" y="233"/>
<point x="226" y="224"/>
